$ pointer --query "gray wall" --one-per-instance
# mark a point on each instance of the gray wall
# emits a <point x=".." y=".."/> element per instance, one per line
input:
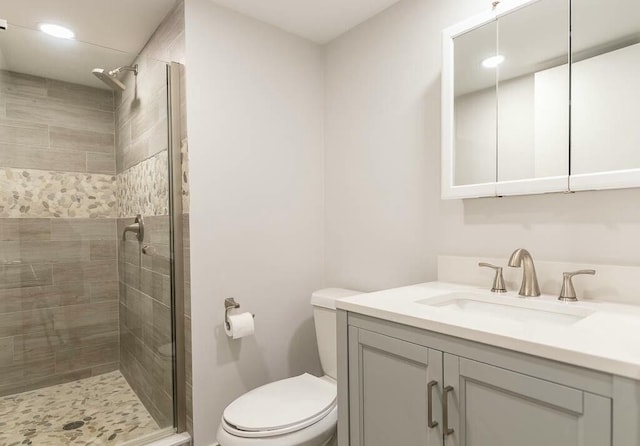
<point x="58" y="271"/>
<point x="254" y="103"/>
<point x="385" y="220"/>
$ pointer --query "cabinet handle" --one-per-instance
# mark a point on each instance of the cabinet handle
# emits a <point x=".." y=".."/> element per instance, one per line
<point x="430" y="421"/>
<point x="445" y="411"/>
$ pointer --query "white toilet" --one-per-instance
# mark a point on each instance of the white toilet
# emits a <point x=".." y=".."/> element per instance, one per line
<point x="299" y="411"/>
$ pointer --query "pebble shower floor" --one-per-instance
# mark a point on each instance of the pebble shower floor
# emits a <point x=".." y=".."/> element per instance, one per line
<point x="101" y="410"/>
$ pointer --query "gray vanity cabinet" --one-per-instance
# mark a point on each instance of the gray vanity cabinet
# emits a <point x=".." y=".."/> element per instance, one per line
<point x="390" y="398"/>
<point x="490" y="406"/>
<point x="388" y="374"/>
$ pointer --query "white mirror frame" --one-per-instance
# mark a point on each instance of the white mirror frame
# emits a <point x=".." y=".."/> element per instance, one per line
<point x="617" y="179"/>
<point x="499" y="188"/>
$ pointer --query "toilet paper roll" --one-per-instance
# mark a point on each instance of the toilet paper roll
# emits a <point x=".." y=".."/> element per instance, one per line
<point x="240" y="325"/>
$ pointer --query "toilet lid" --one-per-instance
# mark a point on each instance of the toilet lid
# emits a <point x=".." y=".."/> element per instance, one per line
<point x="286" y="405"/>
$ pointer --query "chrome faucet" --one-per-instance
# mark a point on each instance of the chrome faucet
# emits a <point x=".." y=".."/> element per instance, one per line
<point x="137" y="228"/>
<point x="522" y="258"/>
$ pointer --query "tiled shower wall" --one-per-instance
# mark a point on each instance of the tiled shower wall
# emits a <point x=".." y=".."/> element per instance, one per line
<point x="142" y="179"/>
<point x="58" y="268"/>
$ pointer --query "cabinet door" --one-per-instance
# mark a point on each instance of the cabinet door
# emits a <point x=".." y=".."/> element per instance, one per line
<point x="490" y="406"/>
<point x="389" y="391"/>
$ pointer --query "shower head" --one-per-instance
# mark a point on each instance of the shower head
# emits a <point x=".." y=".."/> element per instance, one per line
<point x="111" y="81"/>
<point x="111" y="77"/>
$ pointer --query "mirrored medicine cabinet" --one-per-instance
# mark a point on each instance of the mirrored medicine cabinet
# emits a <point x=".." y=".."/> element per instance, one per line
<point x="531" y="107"/>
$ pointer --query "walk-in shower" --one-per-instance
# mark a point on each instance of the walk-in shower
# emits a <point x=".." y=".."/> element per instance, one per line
<point x="91" y="311"/>
<point x="110" y="78"/>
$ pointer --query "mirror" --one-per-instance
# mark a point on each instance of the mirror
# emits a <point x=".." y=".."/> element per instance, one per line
<point x="506" y="88"/>
<point x="530" y="107"/>
<point x="605" y="130"/>
<point x="533" y="91"/>
<point x="475" y="106"/>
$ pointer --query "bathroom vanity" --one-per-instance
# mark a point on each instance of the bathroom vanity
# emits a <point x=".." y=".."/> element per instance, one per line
<point x="455" y="365"/>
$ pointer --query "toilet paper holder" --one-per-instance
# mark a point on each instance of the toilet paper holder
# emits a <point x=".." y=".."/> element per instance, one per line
<point x="230" y="304"/>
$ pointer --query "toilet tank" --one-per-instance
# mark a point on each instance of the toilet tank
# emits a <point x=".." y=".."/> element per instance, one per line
<point x="324" y="316"/>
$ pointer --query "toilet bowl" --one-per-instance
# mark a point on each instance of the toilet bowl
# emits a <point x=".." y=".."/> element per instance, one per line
<point x="298" y="411"/>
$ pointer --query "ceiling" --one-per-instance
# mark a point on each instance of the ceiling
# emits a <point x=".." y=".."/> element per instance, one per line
<point x="317" y="20"/>
<point x="31" y="52"/>
<point x="125" y="25"/>
<point x="109" y="34"/>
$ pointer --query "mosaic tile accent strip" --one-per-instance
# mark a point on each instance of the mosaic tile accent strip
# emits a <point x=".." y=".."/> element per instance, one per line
<point x="144" y="188"/>
<point x="102" y="410"/>
<point x="29" y="193"/>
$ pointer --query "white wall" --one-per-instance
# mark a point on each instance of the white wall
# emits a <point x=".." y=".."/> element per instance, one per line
<point x="255" y="122"/>
<point x="381" y="144"/>
<point x="255" y="118"/>
<point x="385" y="220"/>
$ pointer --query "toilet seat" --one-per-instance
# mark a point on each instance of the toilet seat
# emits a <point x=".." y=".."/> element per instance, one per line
<point x="321" y="433"/>
<point x="281" y="407"/>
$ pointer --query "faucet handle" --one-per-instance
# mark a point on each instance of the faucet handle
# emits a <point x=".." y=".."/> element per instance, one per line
<point x="498" y="280"/>
<point x="568" y="292"/>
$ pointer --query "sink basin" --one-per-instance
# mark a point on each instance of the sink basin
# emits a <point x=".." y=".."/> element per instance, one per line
<point x="513" y="309"/>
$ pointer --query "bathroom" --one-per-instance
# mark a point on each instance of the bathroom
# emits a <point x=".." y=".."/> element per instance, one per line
<point x="274" y="149"/>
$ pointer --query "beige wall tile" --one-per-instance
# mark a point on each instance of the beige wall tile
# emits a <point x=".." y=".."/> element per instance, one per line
<point x="101" y="163"/>
<point x="104" y="291"/>
<point x="80" y="95"/>
<point x="38" y="297"/>
<point x="97" y="270"/>
<point x="10" y="325"/>
<point x="103" y="249"/>
<point x="147" y="116"/>
<point x="22" y="276"/>
<point x="86" y="357"/>
<point x="67" y="330"/>
<point x="86" y="316"/>
<point x="6" y="351"/>
<point x="27" y="157"/>
<point x="46" y="381"/>
<point x="82" y="140"/>
<point x="105" y="368"/>
<point x="44" y="251"/>
<point x="25" y="229"/>
<point x="51" y="113"/>
<point x="18" y="84"/>
<point x="17" y="373"/>
<point x="83" y="229"/>
<point x="21" y="132"/>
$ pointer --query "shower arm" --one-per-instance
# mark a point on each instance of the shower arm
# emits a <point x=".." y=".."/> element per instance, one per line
<point x="133" y="68"/>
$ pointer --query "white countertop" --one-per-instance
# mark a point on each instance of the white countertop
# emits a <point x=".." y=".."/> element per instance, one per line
<point x="607" y="339"/>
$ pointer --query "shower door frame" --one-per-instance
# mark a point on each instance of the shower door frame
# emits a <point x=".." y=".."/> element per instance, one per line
<point x="176" y="232"/>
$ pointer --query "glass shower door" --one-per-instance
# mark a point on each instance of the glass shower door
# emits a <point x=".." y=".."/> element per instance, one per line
<point x="86" y="310"/>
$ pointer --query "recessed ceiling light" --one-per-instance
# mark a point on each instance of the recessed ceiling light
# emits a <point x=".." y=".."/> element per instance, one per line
<point x="56" y="31"/>
<point x="493" y="61"/>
